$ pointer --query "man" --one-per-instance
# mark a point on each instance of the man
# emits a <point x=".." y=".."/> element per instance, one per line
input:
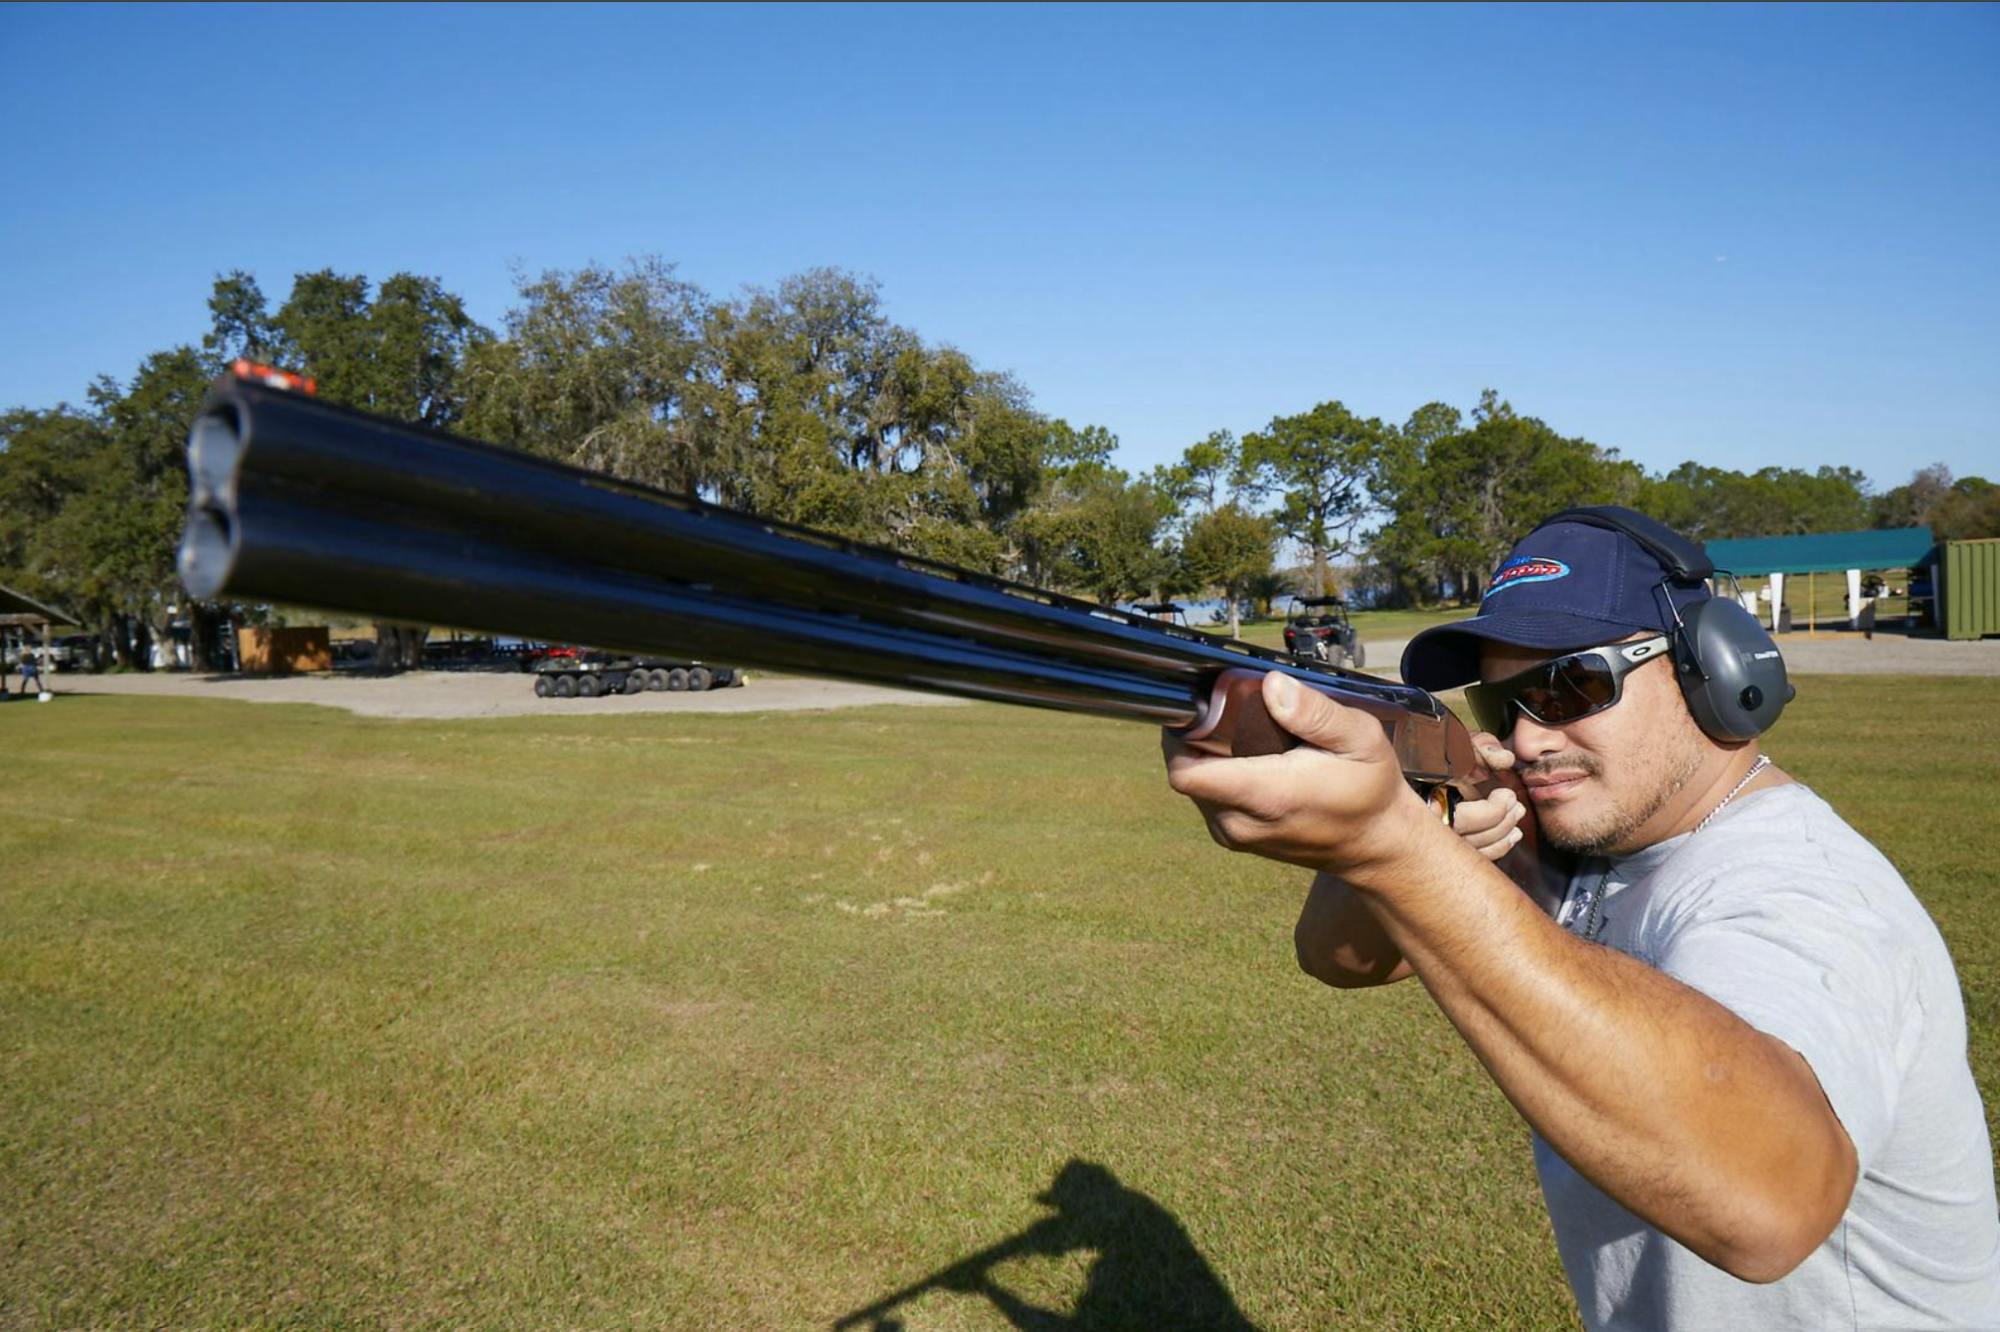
<point x="1740" y="1042"/>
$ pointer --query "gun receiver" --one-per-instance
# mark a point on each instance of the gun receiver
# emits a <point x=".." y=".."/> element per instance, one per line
<point x="300" y="501"/>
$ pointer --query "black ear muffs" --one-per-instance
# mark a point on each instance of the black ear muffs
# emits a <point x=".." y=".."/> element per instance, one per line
<point x="1731" y="672"/>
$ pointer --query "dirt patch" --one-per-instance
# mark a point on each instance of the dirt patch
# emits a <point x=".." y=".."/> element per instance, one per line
<point x="453" y="695"/>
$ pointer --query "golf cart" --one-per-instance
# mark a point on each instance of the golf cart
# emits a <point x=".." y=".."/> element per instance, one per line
<point x="1317" y="629"/>
<point x="1167" y="612"/>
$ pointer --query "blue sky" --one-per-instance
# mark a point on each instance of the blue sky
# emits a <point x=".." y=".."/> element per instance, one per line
<point x="1746" y="236"/>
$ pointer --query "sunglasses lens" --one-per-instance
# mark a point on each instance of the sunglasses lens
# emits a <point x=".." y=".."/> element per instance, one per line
<point x="1555" y="693"/>
<point x="1573" y="688"/>
<point x="1491" y="707"/>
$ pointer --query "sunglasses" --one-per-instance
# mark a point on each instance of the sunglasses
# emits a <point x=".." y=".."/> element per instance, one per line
<point x="1564" y="689"/>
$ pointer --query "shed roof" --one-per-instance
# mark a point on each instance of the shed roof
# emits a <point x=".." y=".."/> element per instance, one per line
<point x="1824" y="552"/>
<point x="17" y="609"/>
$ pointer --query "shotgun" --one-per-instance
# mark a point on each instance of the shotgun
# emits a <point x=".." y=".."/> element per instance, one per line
<point x="297" y="500"/>
<point x="1050" y="1235"/>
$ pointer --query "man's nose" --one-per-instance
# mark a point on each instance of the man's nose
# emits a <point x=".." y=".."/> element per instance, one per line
<point x="1531" y="740"/>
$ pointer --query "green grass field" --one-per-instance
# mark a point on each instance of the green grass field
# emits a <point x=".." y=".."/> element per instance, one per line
<point x="745" y="1022"/>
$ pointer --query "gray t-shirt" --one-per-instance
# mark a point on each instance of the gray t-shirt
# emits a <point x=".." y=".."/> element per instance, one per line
<point x="1784" y="915"/>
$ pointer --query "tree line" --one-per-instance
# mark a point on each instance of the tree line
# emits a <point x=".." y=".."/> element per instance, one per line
<point x="805" y="402"/>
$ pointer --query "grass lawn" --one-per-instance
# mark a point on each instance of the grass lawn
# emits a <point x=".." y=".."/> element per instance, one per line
<point x="746" y="1022"/>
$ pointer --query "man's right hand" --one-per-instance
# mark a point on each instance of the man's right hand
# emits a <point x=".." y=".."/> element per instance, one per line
<point x="1491" y="826"/>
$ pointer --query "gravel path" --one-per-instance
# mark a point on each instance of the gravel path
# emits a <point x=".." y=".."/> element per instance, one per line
<point x="1887" y="654"/>
<point x="1836" y="654"/>
<point x="449" y="695"/>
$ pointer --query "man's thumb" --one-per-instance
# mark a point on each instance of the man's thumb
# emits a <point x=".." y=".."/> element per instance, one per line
<point x="1317" y="719"/>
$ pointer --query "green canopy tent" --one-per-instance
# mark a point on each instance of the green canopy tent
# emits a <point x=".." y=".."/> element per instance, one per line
<point x="1775" y="557"/>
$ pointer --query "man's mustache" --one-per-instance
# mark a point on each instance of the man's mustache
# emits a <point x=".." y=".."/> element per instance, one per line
<point x="1551" y="765"/>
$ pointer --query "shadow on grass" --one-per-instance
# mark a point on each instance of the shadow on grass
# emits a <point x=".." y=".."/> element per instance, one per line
<point x="1147" y="1272"/>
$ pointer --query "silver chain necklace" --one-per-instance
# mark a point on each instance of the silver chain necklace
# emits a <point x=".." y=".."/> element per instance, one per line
<point x="1591" y="903"/>
<point x="1763" y="762"/>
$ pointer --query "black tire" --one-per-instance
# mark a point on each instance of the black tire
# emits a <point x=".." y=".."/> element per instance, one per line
<point x="635" y="683"/>
<point x="565" y="686"/>
<point x="677" y="679"/>
<point x="588" y="687"/>
<point x="1360" y="655"/>
<point x="700" y="677"/>
<point x="542" y="687"/>
<point x="656" y="678"/>
<point x="724" y="677"/>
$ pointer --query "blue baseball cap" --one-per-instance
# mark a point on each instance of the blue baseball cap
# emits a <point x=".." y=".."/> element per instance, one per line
<point x="1565" y="585"/>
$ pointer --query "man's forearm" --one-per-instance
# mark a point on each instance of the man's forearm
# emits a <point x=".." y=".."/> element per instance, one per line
<point x="1691" y="1119"/>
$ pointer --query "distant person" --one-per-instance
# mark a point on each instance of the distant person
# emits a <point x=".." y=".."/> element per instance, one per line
<point x="30" y="670"/>
<point x="1737" y="1036"/>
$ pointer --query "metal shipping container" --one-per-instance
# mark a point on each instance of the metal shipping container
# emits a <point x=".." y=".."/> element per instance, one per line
<point x="1970" y="595"/>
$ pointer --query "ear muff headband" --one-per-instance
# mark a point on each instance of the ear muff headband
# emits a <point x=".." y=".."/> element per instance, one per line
<point x="1730" y="671"/>
<point x="1685" y="561"/>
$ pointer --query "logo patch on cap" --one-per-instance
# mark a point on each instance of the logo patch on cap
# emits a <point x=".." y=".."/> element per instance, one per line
<point x="1526" y="569"/>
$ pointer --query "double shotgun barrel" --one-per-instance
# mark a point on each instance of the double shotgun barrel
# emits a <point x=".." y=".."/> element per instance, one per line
<point x="298" y="501"/>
